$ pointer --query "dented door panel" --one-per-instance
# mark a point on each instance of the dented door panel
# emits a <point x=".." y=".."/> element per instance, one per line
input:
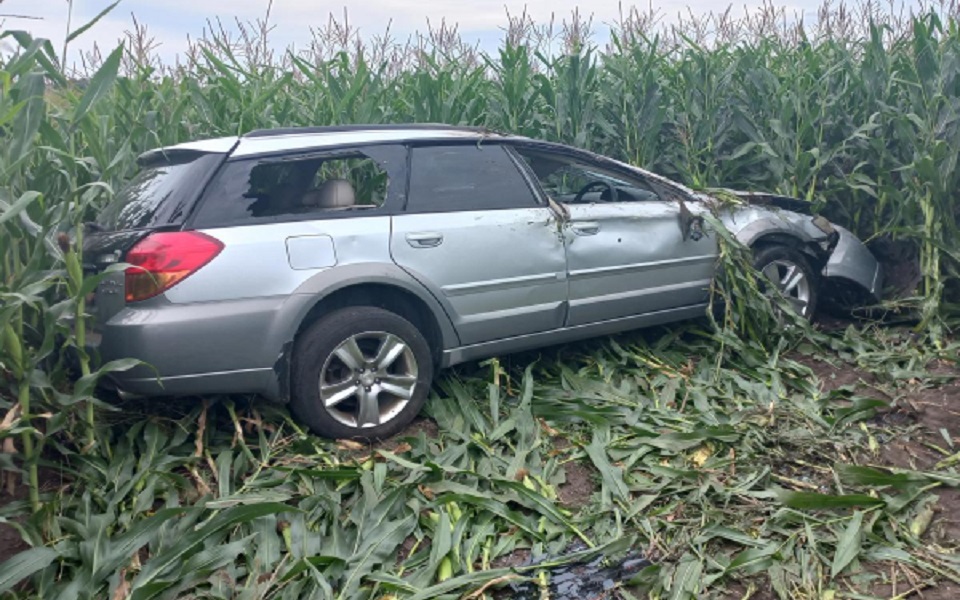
<point x="635" y="262"/>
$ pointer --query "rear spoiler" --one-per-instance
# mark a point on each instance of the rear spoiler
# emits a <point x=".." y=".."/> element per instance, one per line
<point x="188" y="151"/>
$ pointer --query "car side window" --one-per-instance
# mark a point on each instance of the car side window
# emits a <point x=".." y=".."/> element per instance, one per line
<point x="466" y="177"/>
<point x="570" y="179"/>
<point x="350" y="182"/>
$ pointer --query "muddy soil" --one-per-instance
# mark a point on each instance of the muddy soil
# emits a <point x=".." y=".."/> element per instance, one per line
<point x="11" y="542"/>
<point x="579" y="486"/>
<point x="927" y="419"/>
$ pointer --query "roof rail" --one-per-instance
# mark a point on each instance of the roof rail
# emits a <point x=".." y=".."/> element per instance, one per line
<point x="256" y="133"/>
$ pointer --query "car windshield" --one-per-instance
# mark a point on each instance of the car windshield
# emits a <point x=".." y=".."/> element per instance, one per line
<point x="160" y="195"/>
<point x="573" y="179"/>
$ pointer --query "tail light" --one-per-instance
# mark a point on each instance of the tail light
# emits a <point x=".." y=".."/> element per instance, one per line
<point x="162" y="260"/>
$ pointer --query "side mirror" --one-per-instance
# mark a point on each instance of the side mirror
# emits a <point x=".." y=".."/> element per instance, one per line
<point x="691" y="225"/>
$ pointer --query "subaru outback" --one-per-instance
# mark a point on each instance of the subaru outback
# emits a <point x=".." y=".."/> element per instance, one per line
<point x="338" y="268"/>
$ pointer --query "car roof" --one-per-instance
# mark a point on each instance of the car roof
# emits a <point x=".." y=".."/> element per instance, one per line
<point x="266" y="141"/>
<point x="269" y="141"/>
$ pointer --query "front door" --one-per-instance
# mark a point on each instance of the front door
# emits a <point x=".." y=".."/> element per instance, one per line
<point x="626" y="250"/>
<point x="475" y="234"/>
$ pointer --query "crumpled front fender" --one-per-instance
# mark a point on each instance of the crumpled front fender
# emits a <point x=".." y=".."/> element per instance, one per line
<point x="852" y="261"/>
<point x="847" y="260"/>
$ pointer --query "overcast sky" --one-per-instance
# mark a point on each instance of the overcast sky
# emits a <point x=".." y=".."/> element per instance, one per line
<point x="171" y="21"/>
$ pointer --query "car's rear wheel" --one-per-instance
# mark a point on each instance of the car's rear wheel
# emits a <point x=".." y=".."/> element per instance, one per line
<point x="360" y="373"/>
<point x="790" y="272"/>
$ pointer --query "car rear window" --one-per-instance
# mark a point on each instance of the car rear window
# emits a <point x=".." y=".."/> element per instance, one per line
<point x="320" y="185"/>
<point x="161" y="194"/>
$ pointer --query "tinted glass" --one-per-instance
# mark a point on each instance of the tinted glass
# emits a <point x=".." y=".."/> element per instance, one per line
<point x="304" y="187"/>
<point x="448" y="178"/>
<point x="161" y="194"/>
<point x="568" y="179"/>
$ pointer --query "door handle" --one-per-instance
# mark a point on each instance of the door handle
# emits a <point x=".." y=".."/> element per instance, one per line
<point x="586" y="228"/>
<point x="427" y="239"/>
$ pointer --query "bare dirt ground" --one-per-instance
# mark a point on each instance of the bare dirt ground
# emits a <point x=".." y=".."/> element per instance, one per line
<point x="579" y="486"/>
<point x="10" y="542"/>
<point x="931" y="416"/>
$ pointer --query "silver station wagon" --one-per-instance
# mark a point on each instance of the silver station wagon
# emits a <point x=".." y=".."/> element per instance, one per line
<point x="338" y="268"/>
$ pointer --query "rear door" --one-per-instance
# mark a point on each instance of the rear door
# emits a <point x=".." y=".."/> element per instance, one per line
<point x="475" y="234"/>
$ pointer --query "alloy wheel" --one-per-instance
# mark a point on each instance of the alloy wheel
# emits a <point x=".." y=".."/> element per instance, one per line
<point x="368" y="379"/>
<point x="792" y="281"/>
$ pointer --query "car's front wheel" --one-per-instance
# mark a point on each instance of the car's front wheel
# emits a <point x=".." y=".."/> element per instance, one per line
<point x="360" y="372"/>
<point x="790" y="272"/>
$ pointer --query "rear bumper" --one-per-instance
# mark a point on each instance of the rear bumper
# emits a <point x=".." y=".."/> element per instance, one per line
<point x="200" y="348"/>
<point x="852" y="261"/>
<point x="251" y="381"/>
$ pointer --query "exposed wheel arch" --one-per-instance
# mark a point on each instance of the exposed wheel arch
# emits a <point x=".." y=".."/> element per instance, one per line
<point x="388" y="297"/>
<point x="375" y="285"/>
<point x="360" y="372"/>
<point x="810" y="249"/>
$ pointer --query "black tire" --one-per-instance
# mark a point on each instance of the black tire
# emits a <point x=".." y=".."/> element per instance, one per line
<point x="319" y="349"/>
<point x="781" y="256"/>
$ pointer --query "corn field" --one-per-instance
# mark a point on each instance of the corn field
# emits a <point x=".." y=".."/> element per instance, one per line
<point x="712" y="447"/>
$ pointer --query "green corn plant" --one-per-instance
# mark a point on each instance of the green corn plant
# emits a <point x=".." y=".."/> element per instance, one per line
<point x="24" y="107"/>
<point x="29" y="322"/>
<point x="703" y="116"/>
<point x="571" y="93"/>
<point x="513" y="103"/>
<point x="442" y="90"/>
<point x="633" y="103"/>
<point x="75" y="288"/>
<point x="687" y="435"/>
